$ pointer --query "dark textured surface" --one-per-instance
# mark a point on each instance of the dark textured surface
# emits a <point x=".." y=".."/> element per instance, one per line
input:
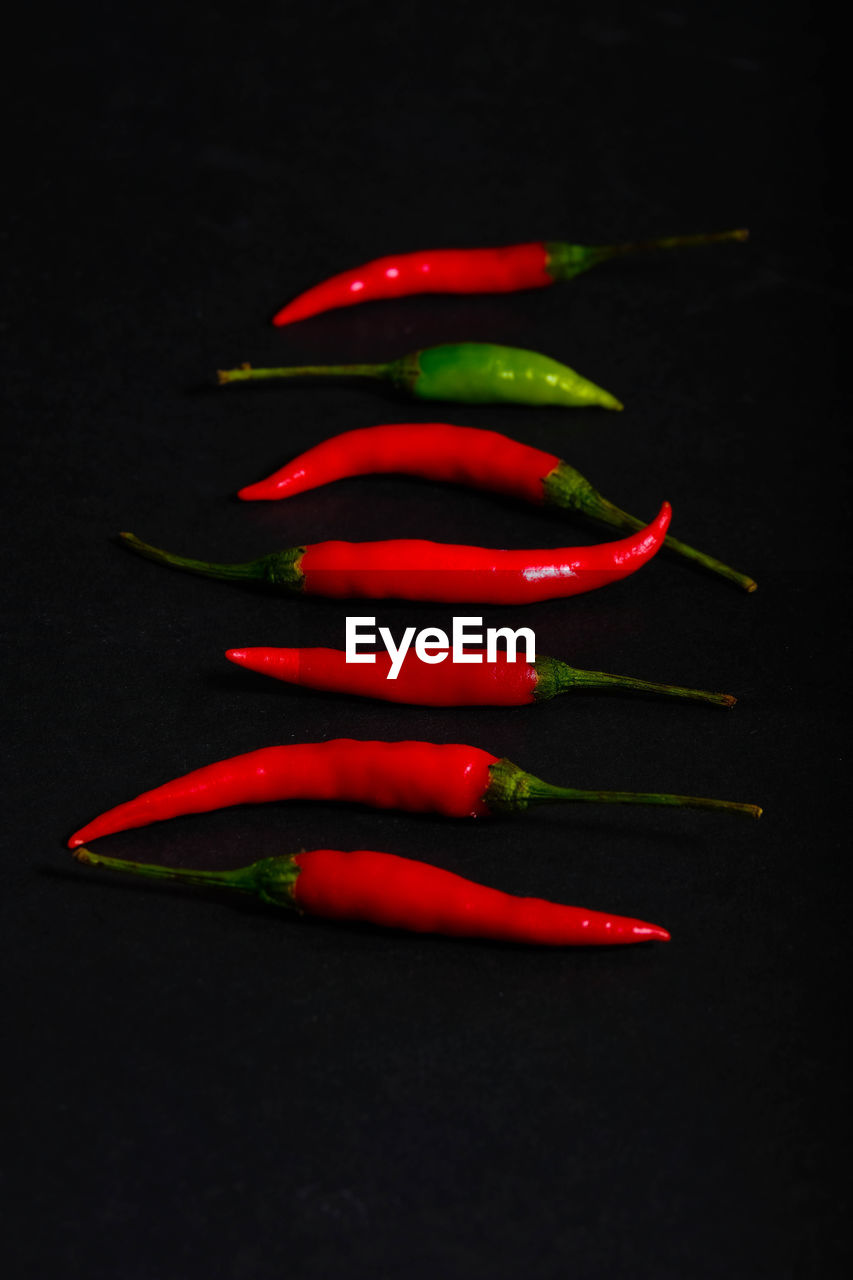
<point x="201" y="1089"/>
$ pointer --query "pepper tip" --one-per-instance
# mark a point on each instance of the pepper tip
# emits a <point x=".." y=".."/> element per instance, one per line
<point x="247" y="493"/>
<point x="650" y="933"/>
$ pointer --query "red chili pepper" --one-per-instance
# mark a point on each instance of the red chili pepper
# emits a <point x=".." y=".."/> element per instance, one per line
<point x="505" y="270"/>
<point x="421" y="777"/>
<point x="462" y="455"/>
<point x="411" y="569"/>
<point x="399" y="893"/>
<point x="483" y="684"/>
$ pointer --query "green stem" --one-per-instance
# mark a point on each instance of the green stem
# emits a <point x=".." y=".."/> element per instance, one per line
<point x="669" y="242"/>
<point x="279" y="569"/>
<point x="555" y="677"/>
<point x="564" y="261"/>
<point x="271" y="879"/>
<point x="567" y="488"/>
<point x="512" y="790"/>
<point x="324" y="371"/>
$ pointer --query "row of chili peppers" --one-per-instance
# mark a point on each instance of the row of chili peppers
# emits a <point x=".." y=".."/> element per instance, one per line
<point x="455" y="780"/>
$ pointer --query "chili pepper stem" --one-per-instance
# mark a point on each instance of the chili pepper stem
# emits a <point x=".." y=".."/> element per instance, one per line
<point x="246" y="373"/>
<point x="280" y="568"/>
<point x="671" y="242"/>
<point x="270" y="879"/>
<point x="567" y="488"/>
<point x="565" y="261"/>
<point x="555" y="677"/>
<point x="512" y="790"/>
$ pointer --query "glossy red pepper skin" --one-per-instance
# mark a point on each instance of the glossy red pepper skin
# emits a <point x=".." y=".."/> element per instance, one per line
<point x="497" y="684"/>
<point x="417" y="776"/>
<point x="432" y="450"/>
<point x="422" y="777"/>
<point x="482" y="684"/>
<point x="399" y="893"/>
<point x="412" y="569"/>
<point x="379" y="888"/>
<point x="507" y="269"/>
<point x="469" y="456"/>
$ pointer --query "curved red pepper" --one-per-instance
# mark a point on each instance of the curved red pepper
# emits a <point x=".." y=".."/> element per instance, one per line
<point x="503" y="270"/>
<point x="422" y="777"/>
<point x="478" y="684"/>
<point x="433" y="450"/>
<point x="463" y="455"/>
<point x="519" y="266"/>
<point x="399" y="893"/>
<point x="412" y="569"/>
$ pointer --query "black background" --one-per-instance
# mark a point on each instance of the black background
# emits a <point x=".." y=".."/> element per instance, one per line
<point x="198" y="1087"/>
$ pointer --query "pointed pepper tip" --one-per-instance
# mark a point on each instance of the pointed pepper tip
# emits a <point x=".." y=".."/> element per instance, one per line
<point x="651" y="933"/>
<point x="235" y="655"/>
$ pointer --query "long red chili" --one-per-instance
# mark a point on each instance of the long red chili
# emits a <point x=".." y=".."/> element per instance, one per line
<point x="478" y="684"/>
<point x="462" y="455"/>
<point x="399" y="893"/>
<point x="411" y="569"/>
<point x="421" y="777"/>
<point x="504" y="270"/>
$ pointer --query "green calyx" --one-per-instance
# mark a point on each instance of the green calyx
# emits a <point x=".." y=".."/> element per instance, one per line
<point x="564" y="261"/>
<point x="511" y="790"/>
<point x="270" y="879"/>
<point x="566" y="488"/>
<point x="281" y="570"/>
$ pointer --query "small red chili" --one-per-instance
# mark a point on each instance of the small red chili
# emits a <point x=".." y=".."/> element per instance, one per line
<point x="469" y="372"/>
<point x="399" y="893"/>
<point x="411" y="569"/>
<point x="462" y="455"/>
<point x="479" y="684"/>
<point x="505" y="270"/>
<point x="420" y="777"/>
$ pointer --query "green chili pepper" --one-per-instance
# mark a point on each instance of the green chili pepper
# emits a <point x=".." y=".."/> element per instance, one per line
<point x="467" y="372"/>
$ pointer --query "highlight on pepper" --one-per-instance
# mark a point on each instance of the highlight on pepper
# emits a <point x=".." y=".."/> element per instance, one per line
<point x="399" y="893"/>
<point x="467" y="372"/>
<point x="505" y="270"/>
<point x="452" y="779"/>
<point x="463" y="455"/>
<point x="413" y="569"/>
